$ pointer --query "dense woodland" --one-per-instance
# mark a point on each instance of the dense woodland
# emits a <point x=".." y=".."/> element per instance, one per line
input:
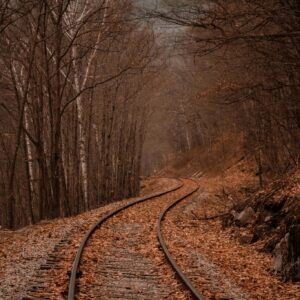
<point x="80" y="79"/>
<point x="240" y="74"/>
<point x="72" y="118"/>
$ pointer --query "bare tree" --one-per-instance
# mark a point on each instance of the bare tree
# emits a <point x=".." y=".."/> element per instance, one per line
<point x="73" y="74"/>
<point x="255" y="50"/>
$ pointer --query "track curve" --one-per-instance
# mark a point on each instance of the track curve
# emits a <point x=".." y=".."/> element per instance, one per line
<point x="76" y="262"/>
<point x="196" y="294"/>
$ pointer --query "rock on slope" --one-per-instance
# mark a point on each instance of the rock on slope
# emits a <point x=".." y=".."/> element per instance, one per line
<point x="273" y="216"/>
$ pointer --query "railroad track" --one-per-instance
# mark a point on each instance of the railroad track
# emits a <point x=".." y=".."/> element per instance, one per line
<point x="196" y="294"/>
<point x="131" y="265"/>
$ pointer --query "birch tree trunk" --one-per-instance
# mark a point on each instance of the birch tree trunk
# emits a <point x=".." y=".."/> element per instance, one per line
<point x="79" y="86"/>
<point x="29" y="164"/>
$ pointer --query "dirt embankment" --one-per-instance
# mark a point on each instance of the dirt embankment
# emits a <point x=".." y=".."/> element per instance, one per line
<point x="272" y="216"/>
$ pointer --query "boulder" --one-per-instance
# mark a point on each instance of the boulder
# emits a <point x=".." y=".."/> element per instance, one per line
<point x="268" y="219"/>
<point x="287" y="255"/>
<point x="280" y="253"/>
<point x="247" y="216"/>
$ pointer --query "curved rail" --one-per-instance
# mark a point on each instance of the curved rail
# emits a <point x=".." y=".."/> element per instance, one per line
<point x="166" y="251"/>
<point x="72" y="282"/>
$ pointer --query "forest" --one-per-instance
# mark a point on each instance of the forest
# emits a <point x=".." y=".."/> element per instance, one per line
<point x="240" y="81"/>
<point x="72" y="115"/>
<point x="152" y="147"/>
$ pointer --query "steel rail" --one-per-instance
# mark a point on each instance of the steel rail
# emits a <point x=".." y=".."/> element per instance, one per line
<point x="76" y="262"/>
<point x="196" y="294"/>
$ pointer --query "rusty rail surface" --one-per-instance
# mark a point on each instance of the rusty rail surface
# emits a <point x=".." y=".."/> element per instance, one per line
<point x="196" y="294"/>
<point x="76" y="262"/>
